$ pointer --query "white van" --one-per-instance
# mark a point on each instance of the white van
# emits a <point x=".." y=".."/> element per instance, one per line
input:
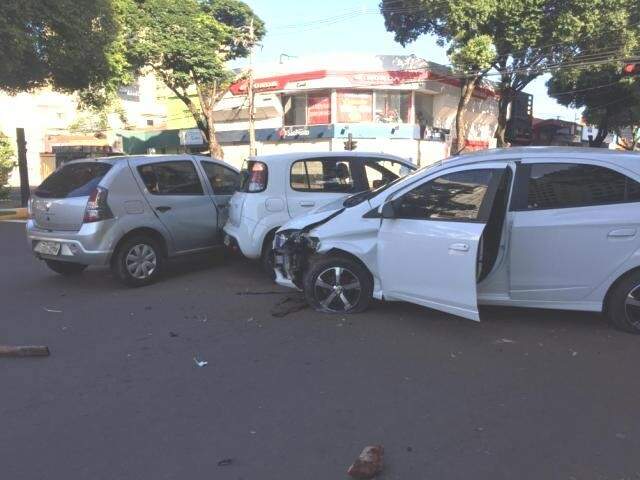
<point x="540" y="227"/>
<point x="277" y="188"/>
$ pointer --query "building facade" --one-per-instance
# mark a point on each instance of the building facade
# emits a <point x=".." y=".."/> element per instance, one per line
<point x="393" y="104"/>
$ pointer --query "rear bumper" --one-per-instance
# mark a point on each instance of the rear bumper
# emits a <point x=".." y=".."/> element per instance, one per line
<point x="243" y="238"/>
<point x="93" y="244"/>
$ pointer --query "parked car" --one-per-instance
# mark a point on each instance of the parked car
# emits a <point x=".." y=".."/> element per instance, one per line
<point x="547" y="227"/>
<point x="276" y="188"/>
<point x="132" y="213"/>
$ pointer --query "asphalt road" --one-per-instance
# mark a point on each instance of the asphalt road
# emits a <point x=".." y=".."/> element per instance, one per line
<point x="524" y="394"/>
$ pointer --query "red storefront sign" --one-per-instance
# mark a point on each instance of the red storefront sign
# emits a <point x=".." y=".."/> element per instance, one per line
<point x="356" y="79"/>
<point x="318" y="109"/>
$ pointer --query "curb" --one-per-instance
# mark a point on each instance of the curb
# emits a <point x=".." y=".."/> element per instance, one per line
<point x="13" y="214"/>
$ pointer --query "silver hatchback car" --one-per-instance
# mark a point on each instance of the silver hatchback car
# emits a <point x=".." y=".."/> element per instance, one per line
<point x="132" y="213"/>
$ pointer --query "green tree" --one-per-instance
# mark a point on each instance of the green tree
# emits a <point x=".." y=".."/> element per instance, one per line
<point x="472" y="59"/>
<point x="610" y="100"/>
<point x="7" y="164"/>
<point x="529" y="36"/>
<point x="187" y="44"/>
<point x="70" y="45"/>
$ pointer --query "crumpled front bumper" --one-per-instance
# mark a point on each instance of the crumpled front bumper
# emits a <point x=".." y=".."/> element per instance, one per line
<point x="291" y="257"/>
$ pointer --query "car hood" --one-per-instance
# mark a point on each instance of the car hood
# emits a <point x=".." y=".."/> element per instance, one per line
<point x="312" y="218"/>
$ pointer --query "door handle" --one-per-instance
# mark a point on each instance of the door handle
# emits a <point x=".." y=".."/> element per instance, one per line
<point x="459" y="247"/>
<point x="306" y="203"/>
<point x="163" y="209"/>
<point x="622" y="232"/>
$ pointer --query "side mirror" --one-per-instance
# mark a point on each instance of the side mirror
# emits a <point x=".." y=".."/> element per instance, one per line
<point x="388" y="210"/>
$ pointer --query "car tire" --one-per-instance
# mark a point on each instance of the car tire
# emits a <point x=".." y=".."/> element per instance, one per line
<point x="326" y="273"/>
<point x="65" y="268"/>
<point x="139" y="261"/>
<point x="267" y="259"/>
<point x="623" y="304"/>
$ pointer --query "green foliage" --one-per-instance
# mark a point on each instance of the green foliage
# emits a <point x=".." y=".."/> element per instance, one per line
<point x="474" y="55"/>
<point x="7" y="164"/>
<point x="611" y="101"/>
<point x="69" y="44"/>
<point x="187" y="43"/>
<point x="529" y="36"/>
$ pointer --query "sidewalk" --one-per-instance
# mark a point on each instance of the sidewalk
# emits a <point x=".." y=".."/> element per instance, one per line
<point x="13" y="214"/>
<point x="10" y="208"/>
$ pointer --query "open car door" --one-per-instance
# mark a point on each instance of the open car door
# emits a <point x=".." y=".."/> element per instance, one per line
<point x="429" y="238"/>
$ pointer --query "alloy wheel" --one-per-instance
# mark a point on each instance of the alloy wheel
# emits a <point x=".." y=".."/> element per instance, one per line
<point x="141" y="261"/>
<point x="337" y="289"/>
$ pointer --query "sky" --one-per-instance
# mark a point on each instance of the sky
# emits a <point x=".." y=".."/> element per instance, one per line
<point x="307" y="27"/>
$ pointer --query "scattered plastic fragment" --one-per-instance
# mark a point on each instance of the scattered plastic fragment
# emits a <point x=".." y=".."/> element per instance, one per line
<point x="368" y="464"/>
<point x="225" y="462"/>
<point x="200" y="363"/>
<point x="505" y="340"/>
<point x="51" y="310"/>
<point x="24" y="351"/>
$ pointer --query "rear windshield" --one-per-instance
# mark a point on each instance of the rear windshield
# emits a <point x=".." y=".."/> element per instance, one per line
<point x="73" y="180"/>
<point x="253" y="176"/>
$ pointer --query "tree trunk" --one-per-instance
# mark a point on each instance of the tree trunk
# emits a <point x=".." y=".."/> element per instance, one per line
<point x="506" y="95"/>
<point x="603" y="131"/>
<point x="215" y="150"/>
<point x="466" y="92"/>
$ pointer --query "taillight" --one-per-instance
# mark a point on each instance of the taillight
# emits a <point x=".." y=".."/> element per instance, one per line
<point x="257" y="177"/>
<point x="97" y="208"/>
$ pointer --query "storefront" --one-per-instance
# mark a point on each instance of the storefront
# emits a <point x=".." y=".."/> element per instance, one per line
<point x="393" y="104"/>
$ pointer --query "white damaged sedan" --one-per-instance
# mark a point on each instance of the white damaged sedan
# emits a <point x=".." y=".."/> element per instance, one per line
<point x="546" y="227"/>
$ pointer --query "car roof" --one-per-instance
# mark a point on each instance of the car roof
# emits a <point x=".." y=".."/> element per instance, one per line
<point x="119" y="158"/>
<point x="626" y="159"/>
<point x="292" y="156"/>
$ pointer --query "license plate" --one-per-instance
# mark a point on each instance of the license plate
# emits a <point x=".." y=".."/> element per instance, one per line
<point x="48" y="248"/>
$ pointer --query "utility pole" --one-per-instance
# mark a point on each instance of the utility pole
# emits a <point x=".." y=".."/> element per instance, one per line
<point x="25" y="191"/>
<point x="252" y="118"/>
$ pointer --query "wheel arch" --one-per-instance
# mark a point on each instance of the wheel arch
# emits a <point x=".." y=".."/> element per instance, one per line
<point x="614" y="284"/>
<point x="269" y="235"/>
<point x="343" y="253"/>
<point x="147" y="231"/>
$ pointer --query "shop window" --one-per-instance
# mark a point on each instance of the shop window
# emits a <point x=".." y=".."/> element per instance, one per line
<point x="307" y="109"/>
<point x="355" y="107"/>
<point x="393" y="107"/>
<point x="295" y="109"/>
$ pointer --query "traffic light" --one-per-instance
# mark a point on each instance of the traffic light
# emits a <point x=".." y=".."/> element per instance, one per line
<point x="631" y="69"/>
<point x="350" y="144"/>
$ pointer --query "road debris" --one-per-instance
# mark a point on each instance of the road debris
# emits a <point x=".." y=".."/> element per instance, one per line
<point x="200" y="363"/>
<point x="225" y="462"/>
<point x="173" y="334"/>
<point x="51" y="310"/>
<point x="289" y="305"/>
<point x="368" y="464"/>
<point x="24" y="351"/>
<point x="505" y="340"/>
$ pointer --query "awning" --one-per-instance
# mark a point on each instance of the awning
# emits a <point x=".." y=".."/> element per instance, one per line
<point x="234" y="109"/>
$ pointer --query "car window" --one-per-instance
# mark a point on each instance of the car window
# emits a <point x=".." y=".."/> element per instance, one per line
<point x="223" y="180"/>
<point x="73" y="180"/>
<point x="171" y="178"/>
<point x="566" y="185"/>
<point x="380" y="172"/>
<point x="322" y="175"/>
<point x="454" y="196"/>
